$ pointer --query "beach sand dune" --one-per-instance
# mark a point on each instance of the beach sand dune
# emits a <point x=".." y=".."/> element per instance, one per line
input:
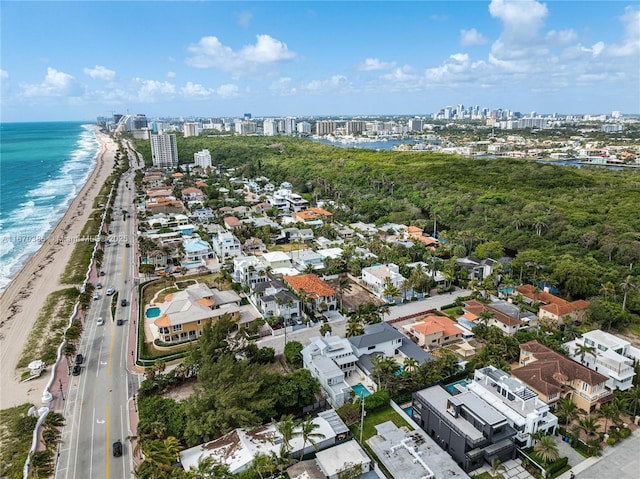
<point x="21" y="301"/>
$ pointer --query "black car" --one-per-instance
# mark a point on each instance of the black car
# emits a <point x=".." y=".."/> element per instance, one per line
<point x="79" y="358"/>
<point x="120" y="322"/>
<point x="123" y="302"/>
<point x="128" y="245"/>
<point x="76" y="370"/>
<point x="101" y="273"/>
<point x="117" y="448"/>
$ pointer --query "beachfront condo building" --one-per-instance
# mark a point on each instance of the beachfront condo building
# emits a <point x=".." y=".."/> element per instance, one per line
<point x="202" y="158"/>
<point x="164" y="151"/>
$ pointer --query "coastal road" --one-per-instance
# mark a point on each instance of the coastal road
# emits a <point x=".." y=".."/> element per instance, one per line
<point x="96" y="409"/>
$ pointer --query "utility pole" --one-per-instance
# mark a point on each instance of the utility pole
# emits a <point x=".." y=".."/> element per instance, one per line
<point x="361" y="415"/>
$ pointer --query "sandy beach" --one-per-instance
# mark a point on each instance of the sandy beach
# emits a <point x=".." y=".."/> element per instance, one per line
<point x="22" y="300"/>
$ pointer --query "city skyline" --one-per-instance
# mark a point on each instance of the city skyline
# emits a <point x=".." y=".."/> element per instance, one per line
<point x="316" y="58"/>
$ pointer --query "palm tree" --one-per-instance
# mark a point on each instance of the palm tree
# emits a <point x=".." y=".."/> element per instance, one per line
<point x="633" y="399"/>
<point x="607" y="288"/>
<point x="286" y="428"/>
<point x="306" y="431"/>
<point x="390" y="290"/>
<point x="344" y="285"/>
<point x="589" y="425"/>
<point x="354" y="328"/>
<point x="567" y="411"/>
<point x="410" y="364"/>
<point x="496" y="467"/>
<point x="406" y="285"/>
<point x="547" y="449"/>
<point x="583" y="349"/>
<point x="485" y="316"/>
<point x="325" y="328"/>
<point x="610" y="413"/>
<point x="625" y="286"/>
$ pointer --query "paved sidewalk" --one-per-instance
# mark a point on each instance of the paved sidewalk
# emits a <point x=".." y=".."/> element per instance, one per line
<point x="513" y="470"/>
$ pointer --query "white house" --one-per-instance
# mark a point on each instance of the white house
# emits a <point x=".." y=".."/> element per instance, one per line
<point x="376" y="277"/>
<point x="197" y="249"/>
<point x="522" y="407"/>
<point x="274" y="299"/>
<point x="248" y="271"/>
<point x="612" y="356"/>
<point x="226" y="245"/>
<point x="277" y="259"/>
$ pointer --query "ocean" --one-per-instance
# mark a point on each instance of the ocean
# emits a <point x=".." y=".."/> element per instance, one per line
<point x="43" y="166"/>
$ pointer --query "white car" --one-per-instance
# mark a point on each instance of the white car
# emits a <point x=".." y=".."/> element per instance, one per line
<point x="111" y="291"/>
<point x="100" y="321"/>
<point x="96" y="296"/>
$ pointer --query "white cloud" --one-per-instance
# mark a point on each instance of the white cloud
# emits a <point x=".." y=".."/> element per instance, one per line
<point x="401" y="75"/>
<point x="55" y="84"/>
<point x="209" y="52"/>
<point x="3" y="74"/>
<point x="244" y="18"/>
<point x="453" y="66"/>
<point x="283" y="86"/>
<point x="562" y="37"/>
<point x="335" y="83"/>
<point x="228" y="91"/>
<point x="152" y="90"/>
<point x="631" y="40"/>
<point x="521" y="19"/>
<point x="195" y="90"/>
<point x="472" y="37"/>
<point x="171" y="74"/>
<point x="372" y="64"/>
<point x="103" y="73"/>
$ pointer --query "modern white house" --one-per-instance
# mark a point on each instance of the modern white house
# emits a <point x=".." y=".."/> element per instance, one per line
<point x="330" y="359"/>
<point x="376" y="277"/>
<point x="612" y="356"/>
<point x="226" y="245"/>
<point x="276" y="259"/>
<point x="524" y="410"/>
<point x="249" y="271"/>
<point x="274" y="299"/>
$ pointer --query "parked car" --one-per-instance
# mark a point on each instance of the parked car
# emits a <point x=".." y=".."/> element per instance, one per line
<point x="96" y="296"/>
<point x="98" y="285"/>
<point x="111" y="291"/>
<point x="117" y="448"/>
<point x="100" y="321"/>
<point x="123" y="302"/>
<point x="76" y="370"/>
<point x="79" y="358"/>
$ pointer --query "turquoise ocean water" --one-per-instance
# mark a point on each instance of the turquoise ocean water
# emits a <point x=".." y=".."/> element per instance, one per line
<point x="43" y="166"/>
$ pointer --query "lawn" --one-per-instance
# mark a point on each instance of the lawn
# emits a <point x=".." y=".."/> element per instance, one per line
<point x="371" y="420"/>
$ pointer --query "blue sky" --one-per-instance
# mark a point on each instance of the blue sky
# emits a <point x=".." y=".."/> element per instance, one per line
<point x="79" y="60"/>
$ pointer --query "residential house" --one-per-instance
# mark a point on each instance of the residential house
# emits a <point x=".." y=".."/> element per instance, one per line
<point x="522" y="407"/>
<point x="434" y="331"/>
<point x="470" y="430"/>
<point x="231" y="223"/>
<point x="505" y="322"/>
<point x="329" y="359"/>
<point x="260" y="208"/>
<point x="276" y="259"/>
<point x="554" y="310"/>
<point x="306" y="258"/>
<point x="193" y="194"/>
<point x="555" y="377"/>
<point x="226" y="246"/>
<point x="197" y="249"/>
<point x="313" y="216"/>
<point x="331" y="253"/>
<point x="272" y="298"/>
<point x="202" y="215"/>
<point x="610" y="355"/>
<point x="248" y="271"/>
<point x="254" y="245"/>
<point x="183" y="314"/>
<point x="334" y="461"/>
<point x="377" y="276"/>
<point x="477" y="269"/>
<point x="320" y="296"/>
<point x="238" y="448"/>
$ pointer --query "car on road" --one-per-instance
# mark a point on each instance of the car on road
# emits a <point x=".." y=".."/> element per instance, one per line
<point x="76" y="370"/>
<point x="123" y="302"/>
<point x="96" y="296"/>
<point x="100" y="321"/>
<point x="101" y="273"/>
<point x="111" y="291"/>
<point x="128" y="245"/>
<point x="98" y="285"/>
<point x="120" y="322"/>
<point x="117" y="448"/>
<point x="79" y="358"/>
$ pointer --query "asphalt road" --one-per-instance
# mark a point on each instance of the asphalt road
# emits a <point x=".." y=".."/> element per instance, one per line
<point x="96" y="408"/>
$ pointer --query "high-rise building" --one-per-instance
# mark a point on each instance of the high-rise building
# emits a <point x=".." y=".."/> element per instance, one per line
<point x="304" y="128"/>
<point x="202" y="159"/>
<point x="164" y="151"/>
<point x="289" y="125"/>
<point x="270" y="127"/>
<point x="325" y="127"/>
<point x="355" y="127"/>
<point x="245" y="127"/>
<point x="190" y="129"/>
<point x="415" y="124"/>
<point x="138" y="121"/>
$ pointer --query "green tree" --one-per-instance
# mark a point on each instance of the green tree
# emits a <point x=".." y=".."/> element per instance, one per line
<point x="496" y="467"/>
<point x="583" y="349"/>
<point x="547" y="449"/>
<point x="354" y="328"/>
<point x="292" y="352"/>
<point x="567" y="411"/>
<point x="490" y="249"/>
<point x="306" y="431"/>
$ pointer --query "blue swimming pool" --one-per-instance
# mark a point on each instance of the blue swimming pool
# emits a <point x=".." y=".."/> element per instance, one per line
<point x="153" y="312"/>
<point x="361" y="390"/>
<point x="408" y="410"/>
<point x="450" y="387"/>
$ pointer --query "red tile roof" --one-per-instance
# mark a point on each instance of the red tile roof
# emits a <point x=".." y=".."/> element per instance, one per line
<point x="560" y="310"/>
<point x="311" y="284"/>
<point x="434" y="324"/>
<point x="551" y="372"/>
<point x="232" y="221"/>
<point x="527" y="291"/>
<point x="476" y="307"/>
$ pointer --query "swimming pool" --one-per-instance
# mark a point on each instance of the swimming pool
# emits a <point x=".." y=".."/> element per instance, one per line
<point x="153" y="312"/>
<point x="408" y="410"/>
<point x="451" y="387"/>
<point x="192" y="264"/>
<point x="361" y="390"/>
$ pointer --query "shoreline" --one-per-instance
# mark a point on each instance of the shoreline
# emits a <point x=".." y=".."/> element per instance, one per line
<point x="25" y="295"/>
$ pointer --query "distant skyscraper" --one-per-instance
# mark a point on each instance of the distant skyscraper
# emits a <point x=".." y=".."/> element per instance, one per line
<point x="202" y="159"/>
<point x="164" y="151"/>
<point x="247" y="116"/>
<point x="190" y="129"/>
<point x="289" y="125"/>
<point x="270" y="127"/>
<point x="304" y="128"/>
<point x="139" y="121"/>
<point x="355" y="127"/>
<point x="415" y="124"/>
<point x="325" y="127"/>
